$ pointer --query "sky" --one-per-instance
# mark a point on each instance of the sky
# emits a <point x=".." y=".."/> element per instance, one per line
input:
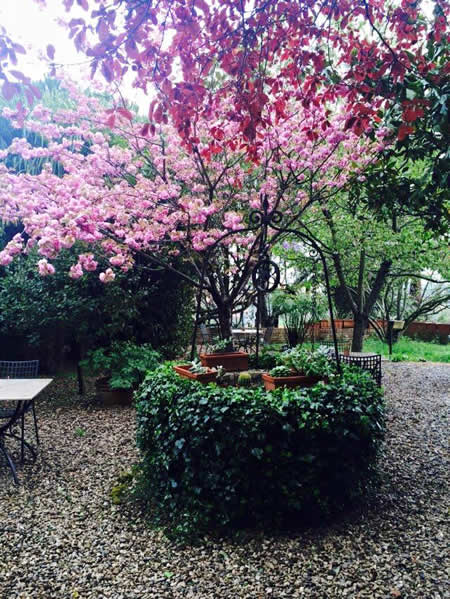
<point x="36" y="27"/>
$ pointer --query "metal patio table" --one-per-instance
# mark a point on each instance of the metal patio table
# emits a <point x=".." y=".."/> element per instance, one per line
<point x="21" y="392"/>
<point x="245" y="338"/>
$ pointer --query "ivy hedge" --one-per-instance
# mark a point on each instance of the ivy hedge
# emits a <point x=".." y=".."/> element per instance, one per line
<point x="217" y="458"/>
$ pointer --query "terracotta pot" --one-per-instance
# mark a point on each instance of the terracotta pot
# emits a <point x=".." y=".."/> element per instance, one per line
<point x="231" y="362"/>
<point x="298" y="380"/>
<point x="113" y="397"/>
<point x="185" y="371"/>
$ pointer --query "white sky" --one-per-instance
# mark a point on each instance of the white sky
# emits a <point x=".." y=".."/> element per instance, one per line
<point x="36" y="27"/>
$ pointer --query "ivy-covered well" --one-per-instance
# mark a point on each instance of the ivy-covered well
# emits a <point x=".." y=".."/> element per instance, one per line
<point x="217" y="458"/>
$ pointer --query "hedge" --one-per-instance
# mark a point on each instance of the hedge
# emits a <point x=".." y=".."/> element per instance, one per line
<point x="218" y="458"/>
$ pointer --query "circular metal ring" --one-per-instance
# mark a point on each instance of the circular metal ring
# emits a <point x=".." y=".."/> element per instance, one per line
<point x="256" y="217"/>
<point x="276" y="217"/>
<point x="266" y="275"/>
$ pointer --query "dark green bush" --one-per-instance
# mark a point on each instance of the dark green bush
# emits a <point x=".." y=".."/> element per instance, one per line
<point x="267" y="359"/>
<point x="125" y="364"/>
<point x="218" y="458"/>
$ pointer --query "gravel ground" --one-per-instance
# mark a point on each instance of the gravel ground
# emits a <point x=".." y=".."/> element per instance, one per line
<point x="60" y="536"/>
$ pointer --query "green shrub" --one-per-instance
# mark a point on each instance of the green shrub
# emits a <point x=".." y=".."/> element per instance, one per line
<point x="267" y="359"/>
<point x="124" y="363"/>
<point x="281" y="371"/>
<point x="219" y="458"/>
<point x="310" y="363"/>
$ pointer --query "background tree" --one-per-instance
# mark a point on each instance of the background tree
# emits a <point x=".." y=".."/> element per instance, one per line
<point x="409" y="300"/>
<point x="364" y="254"/>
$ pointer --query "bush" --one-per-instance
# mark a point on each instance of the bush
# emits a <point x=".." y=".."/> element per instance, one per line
<point x="219" y="458"/>
<point x="267" y="359"/>
<point x="125" y="364"/>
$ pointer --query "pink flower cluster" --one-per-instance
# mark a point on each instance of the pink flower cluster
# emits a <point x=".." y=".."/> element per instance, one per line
<point x="154" y="194"/>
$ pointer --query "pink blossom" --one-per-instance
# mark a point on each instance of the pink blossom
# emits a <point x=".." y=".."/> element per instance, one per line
<point x="76" y="271"/>
<point x="45" y="268"/>
<point x="5" y="258"/>
<point x="107" y="276"/>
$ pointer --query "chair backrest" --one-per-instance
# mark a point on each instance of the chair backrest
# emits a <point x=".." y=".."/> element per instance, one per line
<point x="23" y="369"/>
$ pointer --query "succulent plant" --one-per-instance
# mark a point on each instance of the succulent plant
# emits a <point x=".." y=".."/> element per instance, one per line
<point x="244" y="379"/>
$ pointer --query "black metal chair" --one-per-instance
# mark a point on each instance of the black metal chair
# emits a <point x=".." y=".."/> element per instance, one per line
<point x="369" y="362"/>
<point x="24" y="369"/>
<point x="343" y="344"/>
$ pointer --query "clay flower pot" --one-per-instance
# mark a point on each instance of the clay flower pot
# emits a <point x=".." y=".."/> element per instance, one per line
<point x="184" y="370"/>
<point x="296" y="380"/>
<point x="113" y="397"/>
<point x="231" y="362"/>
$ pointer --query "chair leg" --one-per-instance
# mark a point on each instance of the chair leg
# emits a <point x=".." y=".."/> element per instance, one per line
<point x="35" y="422"/>
<point x="10" y="462"/>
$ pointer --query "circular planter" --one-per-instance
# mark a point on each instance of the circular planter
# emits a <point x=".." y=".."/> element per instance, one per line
<point x="302" y="381"/>
<point x="113" y="397"/>
<point x="231" y="362"/>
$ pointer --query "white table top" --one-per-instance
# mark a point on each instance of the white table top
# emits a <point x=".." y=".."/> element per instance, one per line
<point x="21" y="389"/>
<point x="244" y="331"/>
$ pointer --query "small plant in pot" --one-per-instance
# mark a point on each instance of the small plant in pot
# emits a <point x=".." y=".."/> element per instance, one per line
<point x="300" y="368"/>
<point x="224" y="354"/>
<point x="120" y="369"/>
<point x="194" y="370"/>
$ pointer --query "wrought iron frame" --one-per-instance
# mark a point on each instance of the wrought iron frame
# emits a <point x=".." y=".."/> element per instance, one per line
<point x="266" y="273"/>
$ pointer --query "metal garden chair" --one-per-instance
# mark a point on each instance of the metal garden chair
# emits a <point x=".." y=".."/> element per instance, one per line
<point x="24" y="369"/>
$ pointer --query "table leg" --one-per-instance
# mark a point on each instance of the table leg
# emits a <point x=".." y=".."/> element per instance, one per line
<point x="9" y="460"/>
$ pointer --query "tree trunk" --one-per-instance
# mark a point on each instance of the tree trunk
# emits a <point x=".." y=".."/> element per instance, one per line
<point x="361" y="322"/>
<point x="224" y="314"/>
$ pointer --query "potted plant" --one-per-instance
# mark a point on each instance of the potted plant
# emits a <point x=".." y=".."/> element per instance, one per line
<point x="196" y="371"/>
<point x="224" y="354"/>
<point x="120" y="369"/>
<point x="300" y="368"/>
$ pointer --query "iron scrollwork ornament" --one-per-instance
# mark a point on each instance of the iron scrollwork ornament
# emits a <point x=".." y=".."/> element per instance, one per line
<point x="266" y="275"/>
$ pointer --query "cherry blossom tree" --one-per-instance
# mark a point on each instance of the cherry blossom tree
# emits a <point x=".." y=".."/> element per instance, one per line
<point x="129" y="191"/>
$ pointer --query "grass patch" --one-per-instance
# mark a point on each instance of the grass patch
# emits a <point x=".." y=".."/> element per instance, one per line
<point x="410" y="350"/>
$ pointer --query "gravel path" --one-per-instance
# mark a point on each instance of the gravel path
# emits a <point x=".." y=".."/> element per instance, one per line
<point x="60" y="536"/>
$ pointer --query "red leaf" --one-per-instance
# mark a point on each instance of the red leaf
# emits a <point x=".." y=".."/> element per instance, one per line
<point x="151" y="108"/>
<point x="125" y="113"/>
<point x="111" y="120"/>
<point x="106" y="72"/>
<point x="51" y="52"/>
<point x="158" y="114"/>
<point x="18" y="75"/>
<point x="145" y="129"/>
<point x="102" y="30"/>
<point x="9" y="90"/>
<point x="412" y="114"/>
<point x="80" y="38"/>
<point x="349" y="123"/>
<point x="18" y="48"/>
<point x="404" y="131"/>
